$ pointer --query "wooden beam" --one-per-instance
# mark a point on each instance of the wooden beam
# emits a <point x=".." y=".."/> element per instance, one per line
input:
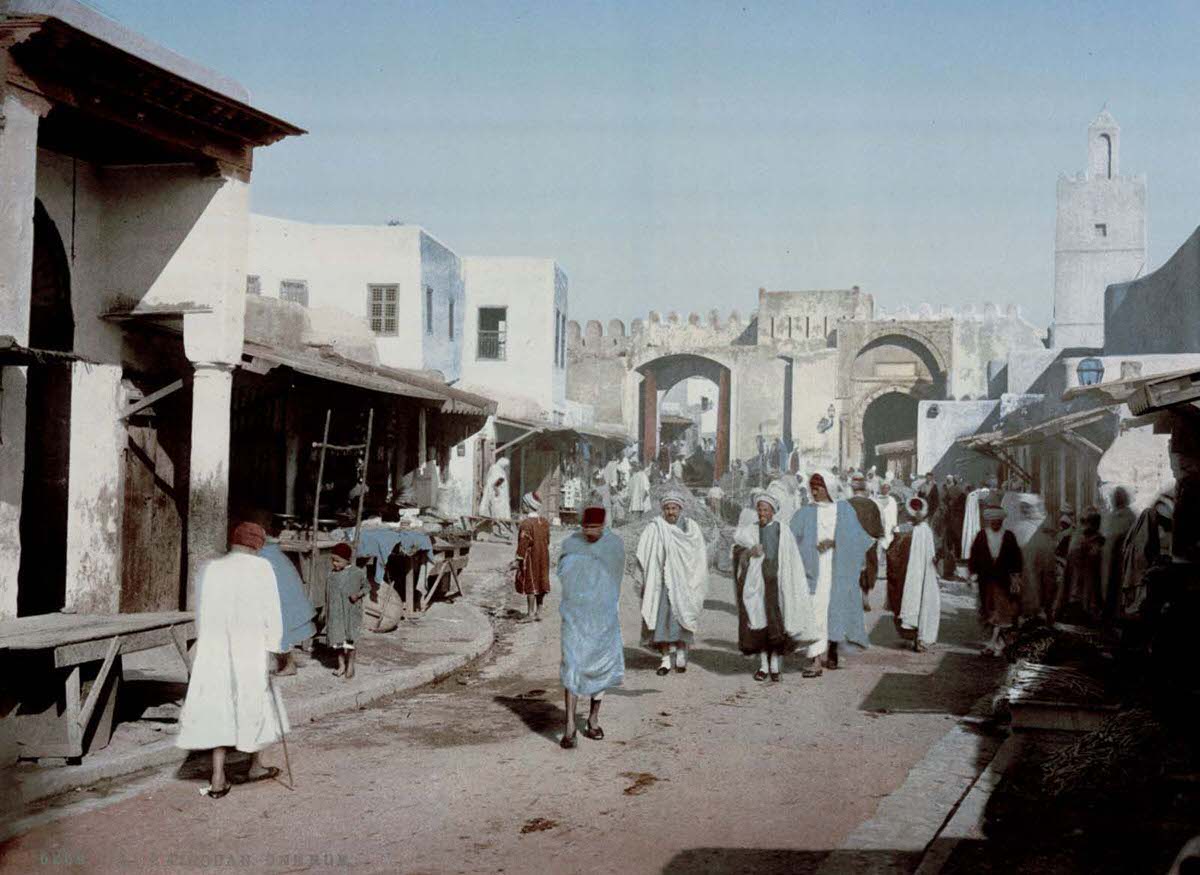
<point x="98" y="685"/>
<point x="179" y="638"/>
<point x="151" y="398"/>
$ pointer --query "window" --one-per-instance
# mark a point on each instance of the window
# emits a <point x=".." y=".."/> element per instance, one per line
<point x="253" y="285"/>
<point x="295" y="291"/>
<point x="382" y="304"/>
<point x="452" y="319"/>
<point x="429" y="309"/>
<point x="493" y="330"/>
<point x="1101" y="229"/>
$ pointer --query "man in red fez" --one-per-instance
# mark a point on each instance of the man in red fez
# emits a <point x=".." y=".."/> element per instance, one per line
<point x="590" y="569"/>
<point x="230" y="702"/>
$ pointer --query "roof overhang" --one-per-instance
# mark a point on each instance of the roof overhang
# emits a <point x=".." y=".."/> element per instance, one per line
<point x="326" y="365"/>
<point x="117" y="98"/>
<point x="14" y="353"/>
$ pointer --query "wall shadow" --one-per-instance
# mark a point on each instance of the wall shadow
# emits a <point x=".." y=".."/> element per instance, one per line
<point x="787" y="861"/>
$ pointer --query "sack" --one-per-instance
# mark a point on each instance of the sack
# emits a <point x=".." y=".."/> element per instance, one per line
<point x="383" y="611"/>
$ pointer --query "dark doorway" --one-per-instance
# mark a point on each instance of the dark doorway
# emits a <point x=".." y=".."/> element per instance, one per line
<point x="41" y="580"/>
<point x="890" y="417"/>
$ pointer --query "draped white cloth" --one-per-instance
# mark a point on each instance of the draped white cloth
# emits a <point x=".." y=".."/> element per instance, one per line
<point x="639" y="492"/>
<point x="673" y="558"/>
<point x="921" y="605"/>
<point x="494" y="503"/>
<point x="890" y="511"/>
<point x="801" y="617"/>
<point x="677" y="470"/>
<point x="1022" y="527"/>
<point x="975" y="499"/>
<point x="610" y="474"/>
<point x="826" y="531"/>
<point x="788" y="496"/>
<point x="238" y="622"/>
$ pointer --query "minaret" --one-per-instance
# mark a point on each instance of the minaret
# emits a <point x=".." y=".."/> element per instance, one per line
<point x="1100" y="237"/>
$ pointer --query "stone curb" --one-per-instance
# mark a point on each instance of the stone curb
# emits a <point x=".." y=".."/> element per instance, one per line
<point x="55" y="782"/>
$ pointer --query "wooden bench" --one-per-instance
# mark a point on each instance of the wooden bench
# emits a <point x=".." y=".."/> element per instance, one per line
<point x="65" y="669"/>
<point x="451" y="555"/>
<point x="477" y="525"/>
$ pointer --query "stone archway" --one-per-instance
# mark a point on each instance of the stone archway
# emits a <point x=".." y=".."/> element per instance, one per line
<point x="660" y="374"/>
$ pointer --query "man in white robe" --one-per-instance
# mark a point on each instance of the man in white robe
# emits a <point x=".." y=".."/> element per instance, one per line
<point x="776" y="609"/>
<point x="495" y="502"/>
<point x="921" y="605"/>
<point x="639" y="492"/>
<point x="230" y="701"/>
<point x="674" y="566"/>
<point x="890" y="512"/>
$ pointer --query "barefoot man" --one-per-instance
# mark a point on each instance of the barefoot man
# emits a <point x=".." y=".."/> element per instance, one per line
<point x="590" y="569"/>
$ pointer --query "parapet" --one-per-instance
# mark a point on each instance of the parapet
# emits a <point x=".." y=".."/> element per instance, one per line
<point x="692" y="329"/>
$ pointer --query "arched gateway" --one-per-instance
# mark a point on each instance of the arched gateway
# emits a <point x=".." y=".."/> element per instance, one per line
<point x="815" y="371"/>
<point x="661" y="374"/>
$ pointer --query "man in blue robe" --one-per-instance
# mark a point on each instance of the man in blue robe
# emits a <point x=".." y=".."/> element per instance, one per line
<point x="590" y="568"/>
<point x="298" y="611"/>
<point x="833" y="546"/>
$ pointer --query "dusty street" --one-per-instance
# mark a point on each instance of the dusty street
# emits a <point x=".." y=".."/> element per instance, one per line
<point x="700" y="772"/>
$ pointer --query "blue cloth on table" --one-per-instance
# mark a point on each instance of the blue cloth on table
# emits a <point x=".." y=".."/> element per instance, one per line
<point x="593" y="654"/>
<point x="298" y="611"/>
<point x="846" y="621"/>
<point x="378" y="544"/>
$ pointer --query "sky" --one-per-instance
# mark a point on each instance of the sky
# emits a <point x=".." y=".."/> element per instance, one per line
<point x="680" y="156"/>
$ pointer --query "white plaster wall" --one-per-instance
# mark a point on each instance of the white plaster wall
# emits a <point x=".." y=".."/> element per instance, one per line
<point x="955" y="419"/>
<point x="813" y="390"/>
<point x="18" y="160"/>
<point x="1140" y="461"/>
<point x="530" y="289"/>
<point x="1150" y="365"/>
<point x="339" y="262"/>
<point x="95" y="490"/>
<point x="441" y="271"/>
<point x="1085" y="264"/>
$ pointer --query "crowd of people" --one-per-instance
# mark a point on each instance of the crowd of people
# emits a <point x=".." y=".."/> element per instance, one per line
<point x="807" y="552"/>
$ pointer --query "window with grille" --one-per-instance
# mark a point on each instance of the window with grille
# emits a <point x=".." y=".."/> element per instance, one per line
<point x="253" y="285"/>
<point x="493" y="333"/>
<point x="295" y="291"/>
<point x="429" y="309"/>
<point x="382" y="304"/>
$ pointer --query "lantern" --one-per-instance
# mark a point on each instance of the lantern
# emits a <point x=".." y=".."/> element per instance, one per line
<point x="1090" y="371"/>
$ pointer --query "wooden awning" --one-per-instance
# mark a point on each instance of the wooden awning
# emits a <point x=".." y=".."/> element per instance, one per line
<point x="13" y="353"/>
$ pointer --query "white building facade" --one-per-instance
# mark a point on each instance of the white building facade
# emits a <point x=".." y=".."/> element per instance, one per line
<point x="404" y="283"/>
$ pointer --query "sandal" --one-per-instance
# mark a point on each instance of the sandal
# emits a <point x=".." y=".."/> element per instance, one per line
<point x="215" y="794"/>
<point x="270" y="774"/>
<point x="760" y="675"/>
<point x="776" y="676"/>
<point x="662" y="670"/>
<point x="681" y="668"/>
<point x="596" y="734"/>
<point x="568" y="742"/>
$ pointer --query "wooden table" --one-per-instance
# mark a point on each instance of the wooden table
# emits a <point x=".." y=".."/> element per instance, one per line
<point x="62" y="672"/>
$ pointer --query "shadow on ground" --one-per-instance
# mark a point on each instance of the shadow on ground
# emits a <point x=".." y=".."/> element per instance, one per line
<point x="542" y="717"/>
<point x="780" y="861"/>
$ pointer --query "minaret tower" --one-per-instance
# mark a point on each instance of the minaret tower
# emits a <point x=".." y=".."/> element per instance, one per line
<point x="1100" y="238"/>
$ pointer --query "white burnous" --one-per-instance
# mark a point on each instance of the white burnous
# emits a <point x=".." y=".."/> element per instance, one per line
<point x="674" y="565"/>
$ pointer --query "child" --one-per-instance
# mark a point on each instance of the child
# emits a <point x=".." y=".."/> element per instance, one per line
<point x="344" y="593"/>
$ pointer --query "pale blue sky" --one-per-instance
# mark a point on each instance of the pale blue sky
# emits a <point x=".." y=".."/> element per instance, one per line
<point x="681" y="155"/>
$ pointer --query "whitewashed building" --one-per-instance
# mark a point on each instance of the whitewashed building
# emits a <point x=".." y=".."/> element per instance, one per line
<point x="403" y="282"/>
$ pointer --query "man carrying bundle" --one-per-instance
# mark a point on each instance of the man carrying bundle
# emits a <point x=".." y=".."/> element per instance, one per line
<point x="674" y="565"/>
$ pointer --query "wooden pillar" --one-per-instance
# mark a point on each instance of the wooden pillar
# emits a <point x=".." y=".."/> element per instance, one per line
<point x="649" y="418"/>
<point x="422" y="446"/>
<point x="721" y="463"/>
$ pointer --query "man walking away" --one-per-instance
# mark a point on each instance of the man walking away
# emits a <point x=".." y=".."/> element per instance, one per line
<point x="230" y="702"/>
<point x="921" y="605"/>
<point x="590" y="569"/>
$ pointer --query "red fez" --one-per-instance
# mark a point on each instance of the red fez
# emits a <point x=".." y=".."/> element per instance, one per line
<point x="343" y="550"/>
<point x="250" y="535"/>
<point x="593" y="516"/>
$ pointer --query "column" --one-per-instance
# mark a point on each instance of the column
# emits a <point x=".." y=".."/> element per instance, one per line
<point x="722" y="461"/>
<point x="18" y="174"/>
<point x="95" y="490"/>
<point x="649" y="418"/>
<point x="208" y="484"/>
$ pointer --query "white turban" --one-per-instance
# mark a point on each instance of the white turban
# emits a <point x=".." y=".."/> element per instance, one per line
<point x="768" y="498"/>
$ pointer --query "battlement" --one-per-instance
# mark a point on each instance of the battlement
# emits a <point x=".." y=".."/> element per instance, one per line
<point x="693" y="330"/>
